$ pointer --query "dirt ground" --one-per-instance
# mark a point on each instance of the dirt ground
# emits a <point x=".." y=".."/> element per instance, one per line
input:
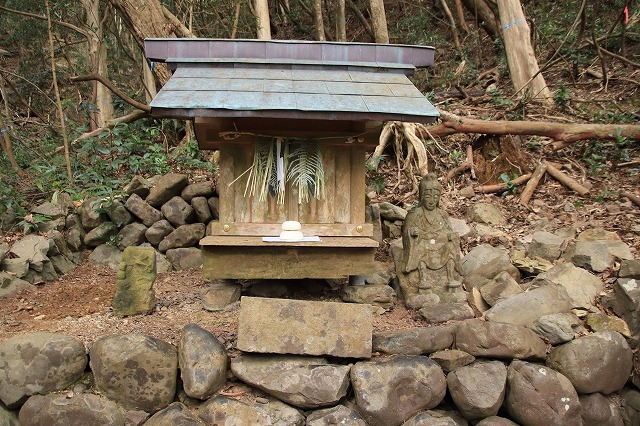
<point x="79" y="303"/>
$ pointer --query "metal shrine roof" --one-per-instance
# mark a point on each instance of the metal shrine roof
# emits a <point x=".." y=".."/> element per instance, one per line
<point x="290" y="79"/>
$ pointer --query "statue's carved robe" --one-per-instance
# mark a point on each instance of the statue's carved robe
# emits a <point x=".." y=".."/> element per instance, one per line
<point x="435" y="244"/>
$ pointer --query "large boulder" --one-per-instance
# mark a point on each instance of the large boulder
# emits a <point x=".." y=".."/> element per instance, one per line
<point x="184" y="258"/>
<point x="600" y="362"/>
<point x="106" y="254"/>
<point x="175" y="414"/>
<point x="376" y="295"/>
<point x="581" y="285"/>
<point x="540" y="396"/>
<point x="167" y="187"/>
<point x="557" y="328"/>
<point x="546" y="245"/>
<point x="391" y="212"/>
<point x="436" y="418"/>
<point x="482" y="255"/>
<point x="525" y="308"/>
<point x="136" y="371"/>
<point x="489" y="339"/>
<point x="183" y="236"/>
<point x="415" y="341"/>
<point x="91" y="214"/>
<point x="478" y="389"/>
<point x="593" y="255"/>
<point x="38" y="363"/>
<point x="33" y="248"/>
<point x="131" y="235"/>
<point x="337" y="415"/>
<point x="599" y="410"/>
<point x="485" y="213"/>
<point x="452" y="359"/>
<point x="63" y="410"/>
<point x="390" y="391"/>
<point x="203" y="362"/>
<point x="201" y="208"/>
<point x="100" y="234"/>
<point x="501" y="287"/>
<point x="305" y="382"/>
<point x="178" y="212"/>
<point x="142" y="210"/>
<point x="221" y="410"/>
<point x="198" y="189"/>
<point x="156" y="232"/>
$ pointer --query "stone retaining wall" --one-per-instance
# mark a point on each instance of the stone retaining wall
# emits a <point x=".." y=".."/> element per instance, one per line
<point x="166" y="212"/>
<point x="469" y="372"/>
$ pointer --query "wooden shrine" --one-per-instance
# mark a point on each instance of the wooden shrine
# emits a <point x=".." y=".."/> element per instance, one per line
<point x="296" y="97"/>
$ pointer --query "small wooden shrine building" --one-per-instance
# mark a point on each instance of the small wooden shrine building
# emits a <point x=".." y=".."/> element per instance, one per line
<point x="314" y="107"/>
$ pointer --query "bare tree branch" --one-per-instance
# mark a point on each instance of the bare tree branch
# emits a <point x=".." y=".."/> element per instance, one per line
<point x="114" y="89"/>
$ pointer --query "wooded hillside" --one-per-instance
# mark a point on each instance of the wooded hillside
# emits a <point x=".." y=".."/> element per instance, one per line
<point x="75" y="86"/>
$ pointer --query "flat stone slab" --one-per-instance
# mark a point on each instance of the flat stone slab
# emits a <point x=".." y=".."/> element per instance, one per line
<point x="285" y="326"/>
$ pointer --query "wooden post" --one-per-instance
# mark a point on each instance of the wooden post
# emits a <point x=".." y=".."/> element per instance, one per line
<point x="523" y="65"/>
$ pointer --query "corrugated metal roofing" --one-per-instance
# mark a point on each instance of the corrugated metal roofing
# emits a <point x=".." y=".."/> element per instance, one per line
<point x="283" y="87"/>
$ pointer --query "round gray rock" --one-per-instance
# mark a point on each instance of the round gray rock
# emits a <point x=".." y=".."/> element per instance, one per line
<point x="415" y="341"/>
<point x="539" y="396"/>
<point x="338" y="415"/>
<point x="600" y="362"/>
<point x="389" y="392"/>
<point x="178" y="212"/>
<point x="38" y="363"/>
<point x="198" y="189"/>
<point x="136" y="371"/>
<point x="176" y="414"/>
<point x="478" y="389"/>
<point x="599" y="410"/>
<point x="305" y="382"/>
<point x="488" y="339"/>
<point x="167" y="187"/>
<point x="203" y="362"/>
<point x="183" y="236"/>
<point x="158" y="231"/>
<point x="62" y="410"/>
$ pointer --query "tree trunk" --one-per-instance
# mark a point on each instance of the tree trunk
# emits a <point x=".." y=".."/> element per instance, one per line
<point x="98" y="62"/>
<point x="57" y="92"/>
<point x="5" y="144"/>
<point x="262" y="19"/>
<point x="379" y="21"/>
<point x="146" y="19"/>
<point x="318" y="22"/>
<point x="341" y="26"/>
<point x="523" y="65"/>
<point x="484" y="16"/>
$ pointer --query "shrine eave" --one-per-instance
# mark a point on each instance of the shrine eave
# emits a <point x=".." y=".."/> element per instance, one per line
<point x="292" y="80"/>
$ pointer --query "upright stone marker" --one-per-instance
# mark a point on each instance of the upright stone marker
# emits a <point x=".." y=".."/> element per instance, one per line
<point x="286" y="326"/>
<point x="134" y="288"/>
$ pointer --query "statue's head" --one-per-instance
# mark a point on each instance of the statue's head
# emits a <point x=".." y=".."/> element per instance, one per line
<point x="430" y="191"/>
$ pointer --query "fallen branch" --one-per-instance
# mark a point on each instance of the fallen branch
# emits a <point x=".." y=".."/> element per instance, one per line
<point x="563" y="134"/>
<point x="532" y="184"/>
<point x="564" y="179"/>
<point x="457" y="170"/>
<point x="633" y="198"/>
<point x="501" y="187"/>
<point x="114" y="89"/>
<point x="129" y="118"/>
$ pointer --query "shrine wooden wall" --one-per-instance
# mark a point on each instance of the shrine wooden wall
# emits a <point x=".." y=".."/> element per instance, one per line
<point x="340" y="213"/>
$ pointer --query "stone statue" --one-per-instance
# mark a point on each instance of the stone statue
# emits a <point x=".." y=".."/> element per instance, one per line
<point x="429" y="266"/>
